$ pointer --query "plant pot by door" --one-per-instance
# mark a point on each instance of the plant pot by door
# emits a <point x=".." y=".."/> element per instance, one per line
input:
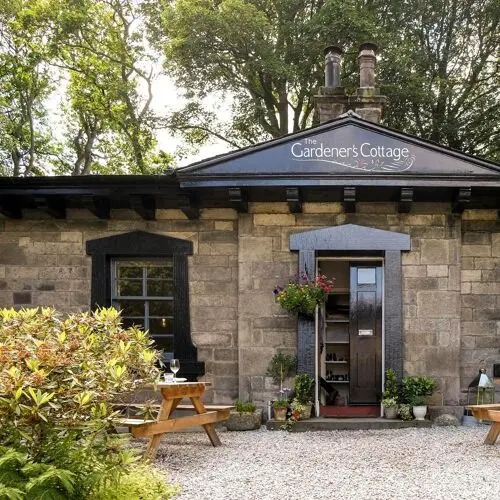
<point x="280" y="414"/>
<point x="419" y="412"/>
<point x="391" y="412"/>
<point x="306" y="413"/>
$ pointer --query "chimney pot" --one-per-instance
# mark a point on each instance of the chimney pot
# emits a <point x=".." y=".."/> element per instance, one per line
<point x="333" y="58"/>
<point x="367" y="59"/>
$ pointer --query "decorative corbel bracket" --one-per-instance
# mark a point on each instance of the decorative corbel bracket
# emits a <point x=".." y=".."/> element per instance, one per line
<point x="54" y="206"/>
<point x="144" y="205"/>
<point x="97" y="205"/>
<point x="187" y="203"/>
<point x="349" y="200"/>
<point x="405" y="200"/>
<point x="10" y="206"/>
<point x="294" y="201"/>
<point x="238" y="199"/>
<point x="462" y="200"/>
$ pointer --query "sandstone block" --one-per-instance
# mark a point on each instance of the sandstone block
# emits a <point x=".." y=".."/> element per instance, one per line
<point x="486" y="263"/>
<point x="476" y="250"/>
<point x="217" y="249"/>
<point x="255" y="304"/>
<point x="414" y="271"/>
<point x="219" y="213"/>
<point x="437" y="271"/>
<point x="254" y="360"/>
<point x="436" y="252"/>
<point x="268" y="208"/>
<point x="469" y="275"/>
<point x="322" y="208"/>
<point x="438" y="304"/>
<point x="495" y="245"/>
<point x="255" y="249"/>
<point x="486" y="288"/>
<point x="274" y="219"/>
<point x="447" y="420"/>
<point x="466" y="288"/>
<point x="376" y="208"/>
<point x="222" y="225"/>
<point x="218" y="237"/>
<point x="476" y="238"/>
<point x="479" y="215"/>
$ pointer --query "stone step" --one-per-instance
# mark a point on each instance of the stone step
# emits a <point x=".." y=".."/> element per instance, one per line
<point x="343" y="424"/>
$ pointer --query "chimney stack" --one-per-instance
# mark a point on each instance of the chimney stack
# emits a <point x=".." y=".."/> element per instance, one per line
<point x="331" y="102"/>
<point x="367" y="102"/>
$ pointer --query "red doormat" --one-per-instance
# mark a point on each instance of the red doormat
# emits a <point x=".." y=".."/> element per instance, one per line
<point x="349" y="411"/>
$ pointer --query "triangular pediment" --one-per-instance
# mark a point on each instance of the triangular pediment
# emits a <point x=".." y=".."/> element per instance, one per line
<point x="349" y="237"/>
<point x="346" y="147"/>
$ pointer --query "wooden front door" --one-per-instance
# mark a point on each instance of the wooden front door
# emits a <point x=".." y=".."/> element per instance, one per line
<point x="365" y="333"/>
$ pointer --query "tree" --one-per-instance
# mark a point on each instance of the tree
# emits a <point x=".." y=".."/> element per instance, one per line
<point x="265" y="53"/>
<point x="438" y="64"/>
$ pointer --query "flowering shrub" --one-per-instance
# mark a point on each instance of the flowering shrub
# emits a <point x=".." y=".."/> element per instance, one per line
<point x="302" y="296"/>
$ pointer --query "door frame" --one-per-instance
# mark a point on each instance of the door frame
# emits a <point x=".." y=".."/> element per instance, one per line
<point x="347" y="258"/>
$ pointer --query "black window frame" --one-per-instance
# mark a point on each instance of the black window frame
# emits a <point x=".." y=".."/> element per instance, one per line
<point x="144" y="245"/>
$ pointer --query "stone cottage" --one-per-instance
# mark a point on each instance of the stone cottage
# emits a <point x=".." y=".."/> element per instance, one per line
<point x="409" y="229"/>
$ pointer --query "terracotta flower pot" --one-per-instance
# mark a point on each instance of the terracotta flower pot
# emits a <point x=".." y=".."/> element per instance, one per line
<point x="280" y="414"/>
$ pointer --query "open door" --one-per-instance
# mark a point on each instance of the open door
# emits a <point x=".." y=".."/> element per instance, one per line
<point x="365" y="333"/>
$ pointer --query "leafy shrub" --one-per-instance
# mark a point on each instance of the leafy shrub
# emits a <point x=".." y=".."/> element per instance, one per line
<point x="304" y="385"/>
<point x="280" y="367"/>
<point x="417" y="389"/>
<point x="391" y="386"/>
<point x="140" y="483"/>
<point x="405" y="412"/>
<point x="59" y="379"/>
<point x="242" y="407"/>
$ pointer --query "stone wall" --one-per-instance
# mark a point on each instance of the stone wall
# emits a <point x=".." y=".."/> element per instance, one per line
<point x="480" y="293"/>
<point x="43" y="262"/>
<point x="451" y="282"/>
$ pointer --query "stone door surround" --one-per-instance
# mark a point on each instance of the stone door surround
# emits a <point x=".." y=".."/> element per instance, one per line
<point x="351" y="238"/>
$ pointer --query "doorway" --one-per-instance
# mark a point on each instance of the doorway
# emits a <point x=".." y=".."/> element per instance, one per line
<point x="350" y="333"/>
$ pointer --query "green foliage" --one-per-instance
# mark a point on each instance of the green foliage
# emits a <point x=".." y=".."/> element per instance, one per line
<point x="389" y="402"/>
<point x="280" y="367"/>
<point x="304" y="385"/>
<point x="280" y="403"/>
<point x="405" y="412"/>
<point x="59" y="377"/>
<point x="417" y="389"/>
<point x="21" y="478"/>
<point x="391" y="386"/>
<point x="242" y="407"/>
<point x="140" y="483"/>
<point x="302" y="296"/>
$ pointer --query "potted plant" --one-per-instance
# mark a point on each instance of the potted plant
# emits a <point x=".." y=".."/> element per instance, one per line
<point x="280" y="406"/>
<point x="245" y="417"/>
<point x="390" y="399"/>
<point x="297" y="409"/>
<point x="304" y="385"/>
<point x="416" y="391"/>
<point x="390" y="407"/>
<point x="301" y="296"/>
<point x="280" y="367"/>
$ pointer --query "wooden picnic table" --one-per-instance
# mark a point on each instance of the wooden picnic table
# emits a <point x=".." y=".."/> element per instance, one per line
<point x="172" y="395"/>
<point x="488" y="412"/>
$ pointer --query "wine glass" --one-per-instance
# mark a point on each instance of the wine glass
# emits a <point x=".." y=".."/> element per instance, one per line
<point x="175" y="366"/>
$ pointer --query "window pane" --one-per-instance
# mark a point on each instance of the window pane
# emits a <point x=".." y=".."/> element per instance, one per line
<point x="131" y="307"/>
<point x="366" y="276"/>
<point x="160" y="288"/>
<point x="160" y="271"/>
<point x="161" y="307"/>
<point x="129" y="270"/>
<point x="137" y="322"/>
<point x="129" y="288"/>
<point x="160" y="326"/>
<point x="165" y="342"/>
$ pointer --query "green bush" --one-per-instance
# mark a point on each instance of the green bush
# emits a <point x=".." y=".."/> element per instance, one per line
<point x="391" y="386"/>
<point x="242" y="407"/>
<point x="280" y="367"/>
<point x="417" y="389"/>
<point x="405" y="412"/>
<point x="304" y="385"/>
<point x="59" y="379"/>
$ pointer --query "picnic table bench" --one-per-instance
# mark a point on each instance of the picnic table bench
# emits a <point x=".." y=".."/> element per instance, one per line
<point x="488" y="412"/>
<point x="172" y="396"/>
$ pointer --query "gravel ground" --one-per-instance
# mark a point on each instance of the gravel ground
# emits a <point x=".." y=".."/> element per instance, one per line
<point x="421" y="464"/>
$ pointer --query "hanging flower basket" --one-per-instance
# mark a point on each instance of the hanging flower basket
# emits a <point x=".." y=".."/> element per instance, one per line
<point x="302" y="296"/>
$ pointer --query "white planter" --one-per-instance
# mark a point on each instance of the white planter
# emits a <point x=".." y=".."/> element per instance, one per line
<point x="419" y="412"/>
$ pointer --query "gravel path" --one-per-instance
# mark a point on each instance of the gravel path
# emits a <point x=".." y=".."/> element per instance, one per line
<point x="421" y="464"/>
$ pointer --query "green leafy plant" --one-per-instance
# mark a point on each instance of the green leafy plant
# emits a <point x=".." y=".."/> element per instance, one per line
<point x="405" y="412"/>
<point x="242" y="407"/>
<point x="304" y="385"/>
<point x="417" y="389"/>
<point x="390" y="402"/>
<point x="391" y="386"/>
<point x="280" y="367"/>
<point x="302" y="296"/>
<point x="59" y="379"/>
<point x="280" y="403"/>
